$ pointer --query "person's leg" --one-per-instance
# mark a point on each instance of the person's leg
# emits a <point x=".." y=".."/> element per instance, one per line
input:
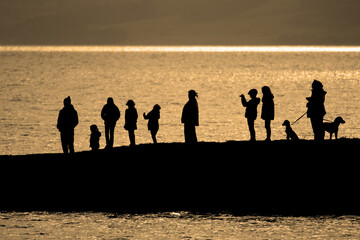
<point x="153" y="134"/>
<point x="317" y="126"/>
<point x="186" y="133"/>
<point x="193" y="134"/>
<point x="107" y="135"/>
<point x="251" y="129"/>
<point x="64" y="143"/>
<point x="71" y="142"/>
<point x="321" y="129"/>
<point x="132" y="137"/>
<point x="268" y="129"/>
<point x="190" y="133"/>
<point x="111" y="138"/>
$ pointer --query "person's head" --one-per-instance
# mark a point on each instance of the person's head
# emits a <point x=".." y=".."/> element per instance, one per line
<point x="94" y="128"/>
<point x="192" y="94"/>
<point x="253" y="93"/>
<point x="130" y="103"/>
<point x="157" y="107"/>
<point x="110" y="100"/>
<point x="317" y="85"/>
<point x="266" y="90"/>
<point x="67" y="101"/>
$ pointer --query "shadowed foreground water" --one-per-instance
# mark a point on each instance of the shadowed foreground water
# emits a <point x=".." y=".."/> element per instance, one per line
<point x="173" y="225"/>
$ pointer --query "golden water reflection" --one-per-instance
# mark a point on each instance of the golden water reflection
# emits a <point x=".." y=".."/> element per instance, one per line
<point x="180" y="48"/>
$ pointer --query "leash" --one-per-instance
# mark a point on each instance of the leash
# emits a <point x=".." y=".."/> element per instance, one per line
<point x="299" y="118"/>
<point x="304" y="115"/>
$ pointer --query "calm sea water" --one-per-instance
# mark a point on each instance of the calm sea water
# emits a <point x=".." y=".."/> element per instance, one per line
<point x="173" y="225"/>
<point x="35" y="80"/>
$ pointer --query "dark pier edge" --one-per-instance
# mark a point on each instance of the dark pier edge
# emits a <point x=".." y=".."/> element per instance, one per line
<point x="279" y="177"/>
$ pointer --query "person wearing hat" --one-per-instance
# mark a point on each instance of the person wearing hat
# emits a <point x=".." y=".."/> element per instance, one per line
<point x="316" y="109"/>
<point x="131" y="117"/>
<point x="153" y="123"/>
<point x="251" y="111"/>
<point x="190" y="117"/>
<point x="66" y="123"/>
<point x="110" y="114"/>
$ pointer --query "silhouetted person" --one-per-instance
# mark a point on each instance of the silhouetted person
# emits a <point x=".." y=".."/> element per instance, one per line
<point x="131" y="117"/>
<point x="67" y="121"/>
<point x="190" y="118"/>
<point x="153" y="123"/>
<point x="251" y="111"/>
<point x="110" y="114"/>
<point x="94" y="137"/>
<point x="316" y="109"/>
<point x="267" y="111"/>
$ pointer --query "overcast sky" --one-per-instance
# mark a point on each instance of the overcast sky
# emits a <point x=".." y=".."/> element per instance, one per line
<point x="180" y="22"/>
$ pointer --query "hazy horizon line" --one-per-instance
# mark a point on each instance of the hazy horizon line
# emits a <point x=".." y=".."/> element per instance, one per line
<point x="179" y="48"/>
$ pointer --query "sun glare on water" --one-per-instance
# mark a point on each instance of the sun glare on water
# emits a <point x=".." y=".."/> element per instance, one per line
<point x="180" y="48"/>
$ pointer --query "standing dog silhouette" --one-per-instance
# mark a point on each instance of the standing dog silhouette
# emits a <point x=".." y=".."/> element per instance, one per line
<point x="333" y="127"/>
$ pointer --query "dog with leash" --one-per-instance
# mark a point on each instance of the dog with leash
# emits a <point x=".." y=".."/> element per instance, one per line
<point x="290" y="134"/>
<point x="333" y="127"/>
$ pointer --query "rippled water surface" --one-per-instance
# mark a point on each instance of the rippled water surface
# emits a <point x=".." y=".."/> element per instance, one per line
<point x="34" y="82"/>
<point x="173" y="225"/>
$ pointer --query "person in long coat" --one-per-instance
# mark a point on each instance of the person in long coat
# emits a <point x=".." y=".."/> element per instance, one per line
<point x="190" y="117"/>
<point x="267" y="110"/>
<point x="316" y="109"/>
<point x="66" y="123"/>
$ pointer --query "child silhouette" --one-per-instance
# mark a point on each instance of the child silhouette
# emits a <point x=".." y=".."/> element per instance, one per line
<point x="94" y="137"/>
<point x="153" y="123"/>
<point x="251" y="111"/>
